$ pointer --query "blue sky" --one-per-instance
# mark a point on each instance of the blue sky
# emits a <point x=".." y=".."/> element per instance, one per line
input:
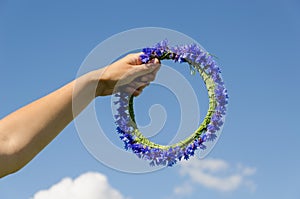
<point x="42" y="45"/>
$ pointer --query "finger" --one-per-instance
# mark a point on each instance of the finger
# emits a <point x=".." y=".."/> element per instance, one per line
<point x="142" y="87"/>
<point x="146" y="78"/>
<point x="137" y="84"/>
<point x="134" y="58"/>
<point x="145" y="68"/>
<point x="137" y="93"/>
<point x="150" y="77"/>
<point x="154" y="61"/>
<point x="143" y="79"/>
<point x="132" y="91"/>
<point x="156" y="70"/>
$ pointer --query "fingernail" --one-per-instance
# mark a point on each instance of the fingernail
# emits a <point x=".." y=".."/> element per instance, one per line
<point x="153" y="61"/>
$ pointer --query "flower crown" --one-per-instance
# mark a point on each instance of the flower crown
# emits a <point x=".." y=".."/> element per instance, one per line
<point x="199" y="61"/>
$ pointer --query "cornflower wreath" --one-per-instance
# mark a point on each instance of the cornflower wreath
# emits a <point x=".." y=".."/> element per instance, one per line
<point x="198" y="60"/>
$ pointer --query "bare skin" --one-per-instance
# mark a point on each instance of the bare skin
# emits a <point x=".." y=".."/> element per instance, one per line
<point x="25" y="132"/>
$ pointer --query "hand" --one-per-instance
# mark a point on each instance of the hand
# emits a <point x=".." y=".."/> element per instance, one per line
<point x="127" y="75"/>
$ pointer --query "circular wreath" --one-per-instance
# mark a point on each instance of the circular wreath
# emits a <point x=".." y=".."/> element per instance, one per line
<point x="198" y="60"/>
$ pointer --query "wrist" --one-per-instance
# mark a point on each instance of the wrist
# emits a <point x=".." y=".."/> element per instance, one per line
<point x="94" y="78"/>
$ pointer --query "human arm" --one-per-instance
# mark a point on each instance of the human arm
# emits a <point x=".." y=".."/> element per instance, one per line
<point x="25" y="132"/>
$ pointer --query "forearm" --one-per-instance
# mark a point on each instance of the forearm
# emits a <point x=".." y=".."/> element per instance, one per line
<point x="25" y="132"/>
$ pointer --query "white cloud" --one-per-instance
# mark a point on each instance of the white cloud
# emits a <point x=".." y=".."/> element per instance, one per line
<point x="90" y="185"/>
<point x="248" y="171"/>
<point x="216" y="174"/>
<point x="183" y="190"/>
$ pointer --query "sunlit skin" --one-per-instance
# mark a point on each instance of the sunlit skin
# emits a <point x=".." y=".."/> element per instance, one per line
<point x="25" y="132"/>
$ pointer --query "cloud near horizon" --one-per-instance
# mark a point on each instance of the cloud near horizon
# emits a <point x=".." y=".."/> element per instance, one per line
<point x="89" y="185"/>
<point x="214" y="174"/>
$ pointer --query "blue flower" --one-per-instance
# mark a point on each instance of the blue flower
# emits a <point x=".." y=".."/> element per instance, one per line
<point x="144" y="58"/>
<point x="211" y="128"/>
<point x="211" y="136"/>
<point x="126" y="138"/>
<point x="181" y="59"/>
<point x="204" y="137"/>
<point x="186" y="156"/>
<point x="202" y="146"/>
<point x="152" y="163"/>
<point x="148" y="51"/>
<point x="199" y="58"/>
